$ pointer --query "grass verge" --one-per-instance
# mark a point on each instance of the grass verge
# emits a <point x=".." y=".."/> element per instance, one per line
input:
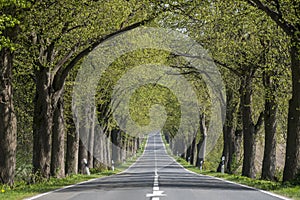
<point x="23" y="190"/>
<point x="287" y="190"/>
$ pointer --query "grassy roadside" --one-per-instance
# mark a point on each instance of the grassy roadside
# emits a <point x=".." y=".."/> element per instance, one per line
<point x="287" y="190"/>
<point x="22" y="190"/>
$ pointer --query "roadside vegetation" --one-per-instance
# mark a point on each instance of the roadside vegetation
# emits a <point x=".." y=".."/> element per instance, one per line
<point x="255" y="48"/>
<point x="22" y="189"/>
<point x="290" y="190"/>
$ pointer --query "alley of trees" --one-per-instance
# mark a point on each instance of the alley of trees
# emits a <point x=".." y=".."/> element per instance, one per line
<point x="254" y="43"/>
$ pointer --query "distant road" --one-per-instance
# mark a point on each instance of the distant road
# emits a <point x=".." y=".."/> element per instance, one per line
<point x="157" y="176"/>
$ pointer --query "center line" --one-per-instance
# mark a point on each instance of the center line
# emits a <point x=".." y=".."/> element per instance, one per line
<point x="156" y="193"/>
<point x="155" y="156"/>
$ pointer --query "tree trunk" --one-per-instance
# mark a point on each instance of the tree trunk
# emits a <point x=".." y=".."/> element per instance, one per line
<point x="201" y="146"/>
<point x="120" y="149"/>
<point x="269" y="160"/>
<point x="8" y="121"/>
<point x="104" y="150"/>
<point x="237" y="145"/>
<point x="131" y="146"/>
<point x="135" y="145"/>
<point x="188" y="153"/>
<point x="42" y="123"/>
<point x="193" y="147"/>
<point x="98" y="149"/>
<point x="82" y="154"/>
<point x="292" y="160"/>
<point x="228" y="132"/>
<point x="108" y="150"/>
<point x="127" y="146"/>
<point x="138" y="145"/>
<point x="91" y="138"/>
<point x="72" y="148"/>
<point x="58" y="141"/>
<point x="115" y="138"/>
<point x="123" y="149"/>
<point x="291" y="28"/>
<point x="248" y="128"/>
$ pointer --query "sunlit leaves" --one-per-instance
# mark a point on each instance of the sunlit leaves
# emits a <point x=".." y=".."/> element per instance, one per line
<point x="10" y="14"/>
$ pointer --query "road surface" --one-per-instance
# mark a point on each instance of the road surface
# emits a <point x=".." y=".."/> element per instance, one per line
<point x="156" y="176"/>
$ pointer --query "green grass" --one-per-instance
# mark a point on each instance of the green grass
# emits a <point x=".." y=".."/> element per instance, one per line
<point x="287" y="190"/>
<point x="132" y="159"/>
<point x="23" y="190"/>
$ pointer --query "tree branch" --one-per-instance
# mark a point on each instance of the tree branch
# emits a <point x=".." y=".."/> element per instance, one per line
<point x="63" y="72"/>
<point x="288" y="28"/>
<point x="236" y="72"/>
<point x="64" y="59"/>
<point x="259" y="122"/>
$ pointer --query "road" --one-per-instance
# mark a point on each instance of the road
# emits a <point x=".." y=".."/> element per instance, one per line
<point x="156" y="176"/>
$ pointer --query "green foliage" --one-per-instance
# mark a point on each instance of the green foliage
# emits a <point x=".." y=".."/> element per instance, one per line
<point x="11" y="16"/>
<point x="236" y="34"/>
<point x="25" y="188"/>
<point x="21" y="189"/>
<point x="147" y="96"/>
<point x="288" y="190"/>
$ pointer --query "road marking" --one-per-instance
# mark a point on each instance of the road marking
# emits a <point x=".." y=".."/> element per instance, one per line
<point x="60" y="189"/>
<point x="91" y="180"/>
<point x="245" y="186"/>
<point x="156" y="192"/>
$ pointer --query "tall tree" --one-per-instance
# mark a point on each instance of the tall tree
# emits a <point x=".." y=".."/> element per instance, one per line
<point x="286" y="16"/>
<point x="250" y="128"/>
<point x="270" y="114"/>
<point x="10" y="19"/>
<point x="55" y="55"/>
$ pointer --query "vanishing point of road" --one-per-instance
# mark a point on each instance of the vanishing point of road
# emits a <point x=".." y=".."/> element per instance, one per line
<point x="157" y="176"/>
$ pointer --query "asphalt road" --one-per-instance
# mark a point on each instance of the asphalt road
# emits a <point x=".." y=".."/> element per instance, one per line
<point x="157" y="176"/>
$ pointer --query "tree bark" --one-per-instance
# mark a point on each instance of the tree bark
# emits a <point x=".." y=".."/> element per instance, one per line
<point x="108" y="150"/>
<point x="91" y="138"/>
<point x="115" y="138"/>
<point x="228" y="132"/>
<point x="104" y="151"/>
<point x="58" y="141"/>
<point x="292" y="159"/>
<point x="201" y="146"/>
<point x="138" y="145"/>
<point x="8" y="121"/>
<point x="120" y="149"/>
<point x="48" y="86"/>
<point x="98" y="149"/>
<point x="42" y="123"/>
<point x="269" y="160"/>
<point x="193" y="149"/>
<point x="188" y="153"/>
<point x="249" y="128"/>
<point x="237" y="145"/>
<point x="72" y="148"/>
<point x="291" y="28"/>
<point x="123" y="149"/>
<point x="82" y="154"/>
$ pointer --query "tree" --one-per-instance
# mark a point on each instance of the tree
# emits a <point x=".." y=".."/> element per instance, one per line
<point x="10" y="19"/>
<point x="286" y="16"/>
<point x="272" y="56"/>
<point x="55" y="55"/>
